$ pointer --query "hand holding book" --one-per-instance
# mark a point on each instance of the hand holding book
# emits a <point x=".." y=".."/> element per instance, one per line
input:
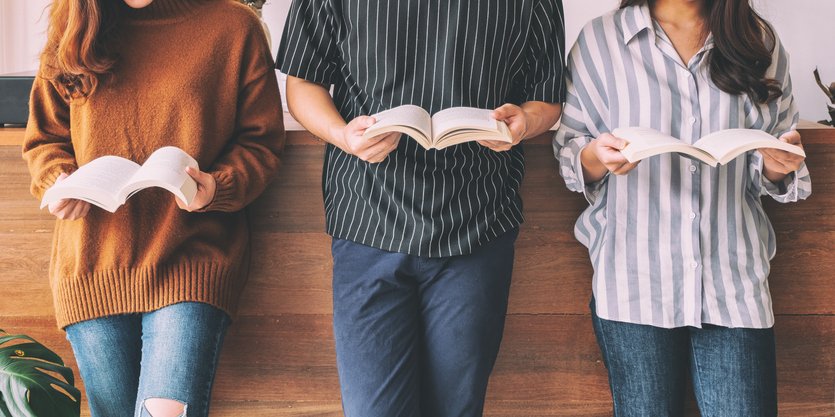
<point x="777" y="164"/>
<point x="716" y="148"/>
<point x="353" y="140"/>
<point x="206" y="188"/>
<point x="602" y="155"/>
<point x="68" y="208"/>
<point x="110" y="180"/>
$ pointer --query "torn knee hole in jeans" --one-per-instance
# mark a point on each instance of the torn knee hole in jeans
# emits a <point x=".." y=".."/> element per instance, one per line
<point x="164" y="407"/>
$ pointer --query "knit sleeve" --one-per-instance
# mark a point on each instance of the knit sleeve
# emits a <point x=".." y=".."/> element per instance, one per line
<point x="251" y="158"/>
<point x="47" y="144"/>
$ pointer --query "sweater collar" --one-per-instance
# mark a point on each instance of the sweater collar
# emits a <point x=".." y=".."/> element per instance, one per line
<point x="162" y="11"/>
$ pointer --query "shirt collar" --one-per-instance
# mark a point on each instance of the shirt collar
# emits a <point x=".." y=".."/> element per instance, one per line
<point x="638" y="19"/>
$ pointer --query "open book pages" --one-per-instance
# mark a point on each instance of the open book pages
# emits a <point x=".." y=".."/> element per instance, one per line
<point x="447" y="127"/>
<point x="109" y="181"/>
<point x="716" y="148"/>
<point x="411" y="120"/>
<point x="462" y="124"/>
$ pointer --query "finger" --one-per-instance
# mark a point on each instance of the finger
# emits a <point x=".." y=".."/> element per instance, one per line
<point x="78" y="210"/>
<point x="611" y="141"/>
<point x="180" y="203"/>
<point x="61" y="177"/>
<point x="198" y="175"/>
<point x="380" y="151"/>
<point x="629" y="167"/>
<point x="64" y="209"/>
<point x="360" y="124"/>
<point x="85" y="209"/>
<point x="792" y="137"/>
<point x="498" y="146"/>
<point x="781" y="157"/>
<point x="377" y="139"/>
<point x="612" y="156"/>
<point x="505" y="111"/>
<point x="774" y="162"/>
<point x="57" y="206"/>
<point x="366" y="121"/>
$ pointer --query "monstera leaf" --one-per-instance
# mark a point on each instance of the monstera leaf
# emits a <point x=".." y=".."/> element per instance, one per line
<point x="26" y="390"/>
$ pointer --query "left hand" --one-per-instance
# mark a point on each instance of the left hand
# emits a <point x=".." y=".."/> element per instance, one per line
<point x="516" y="120"/>
<point x="777" y="164"/>
<point x="206" y="188"/>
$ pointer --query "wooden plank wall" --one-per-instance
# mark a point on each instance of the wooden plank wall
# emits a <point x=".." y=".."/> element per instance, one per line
<point x="279" y="358"/>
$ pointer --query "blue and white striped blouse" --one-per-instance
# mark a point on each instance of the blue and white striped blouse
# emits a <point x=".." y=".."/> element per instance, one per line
<point x="675" y="242"/>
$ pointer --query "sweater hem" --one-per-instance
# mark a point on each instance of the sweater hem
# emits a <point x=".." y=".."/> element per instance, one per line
<point x="145" y="289"/>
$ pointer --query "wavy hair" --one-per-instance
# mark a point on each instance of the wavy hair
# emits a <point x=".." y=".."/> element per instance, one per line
<point x="743" y="44"/>
<point x="79" y="48"/>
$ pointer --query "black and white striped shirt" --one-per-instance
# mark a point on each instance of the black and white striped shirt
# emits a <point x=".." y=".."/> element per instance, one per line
<point x="436" y="55"/>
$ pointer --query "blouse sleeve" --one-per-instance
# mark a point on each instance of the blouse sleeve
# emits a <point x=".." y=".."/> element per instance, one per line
<point x="583" y="119"/>
<point x="783" y="116"/>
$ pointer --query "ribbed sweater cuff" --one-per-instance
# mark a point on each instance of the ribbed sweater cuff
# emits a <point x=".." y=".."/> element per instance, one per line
<point x="107" y="293"/>
<point x="47" y="180"/>
<point x="224" y="194"/>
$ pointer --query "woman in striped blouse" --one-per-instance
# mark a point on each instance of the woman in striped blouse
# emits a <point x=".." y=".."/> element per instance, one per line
<point x="681" y="250"/>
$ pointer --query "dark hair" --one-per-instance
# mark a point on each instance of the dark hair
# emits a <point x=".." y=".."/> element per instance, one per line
<point x="79" y="45"/>
<point x="741" y="54"/>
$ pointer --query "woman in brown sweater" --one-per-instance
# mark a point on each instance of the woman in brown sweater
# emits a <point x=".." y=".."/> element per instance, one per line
<point x="145" y="294"/>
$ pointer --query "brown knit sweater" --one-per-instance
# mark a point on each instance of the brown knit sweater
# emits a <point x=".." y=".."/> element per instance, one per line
<point x="196" y="74"/>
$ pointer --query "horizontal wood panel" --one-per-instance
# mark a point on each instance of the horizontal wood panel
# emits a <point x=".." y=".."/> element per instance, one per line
<point x="552" y="270"/>
<point x="550" y="363"/>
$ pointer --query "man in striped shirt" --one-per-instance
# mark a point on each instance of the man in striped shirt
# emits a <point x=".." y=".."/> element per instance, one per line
<point x="423" y="239"/>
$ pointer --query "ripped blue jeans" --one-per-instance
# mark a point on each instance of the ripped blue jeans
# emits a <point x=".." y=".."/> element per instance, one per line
<point x="169" y="353"/>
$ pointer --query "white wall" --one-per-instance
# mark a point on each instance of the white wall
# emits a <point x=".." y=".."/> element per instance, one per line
<point x="22" y="34"/>
<point x="805" y="27"/>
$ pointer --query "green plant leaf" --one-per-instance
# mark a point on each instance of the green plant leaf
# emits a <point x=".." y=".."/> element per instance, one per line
<point x="26" y="390"/>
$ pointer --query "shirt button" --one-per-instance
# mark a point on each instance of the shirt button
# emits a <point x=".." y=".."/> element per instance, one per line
<point x="692" y="120"/>
<point x="694" y="264"/>
<point x="692" y="168"/>
<point x="692" y="216"/>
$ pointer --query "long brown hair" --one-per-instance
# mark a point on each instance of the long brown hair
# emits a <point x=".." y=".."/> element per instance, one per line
<point x="79" y="47"/>
<point x="740" y="55"/>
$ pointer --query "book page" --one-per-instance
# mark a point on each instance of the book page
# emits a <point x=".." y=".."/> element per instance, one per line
<point x="727" y="144"/>
<point x="98" y="182"/>
<point x="645" y="142"/>
<point x="165" y="168"/>
<point x="408" y="119"/>
<point x="461" y="124"/>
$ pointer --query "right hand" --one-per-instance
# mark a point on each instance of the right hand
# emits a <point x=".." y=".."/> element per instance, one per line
<point x="606" y="151"/>
<point x="68" y="208"/>
<point x="372" y="150"/>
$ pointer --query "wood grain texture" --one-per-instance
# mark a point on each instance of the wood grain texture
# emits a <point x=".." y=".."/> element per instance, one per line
<point x="279" y="359"/>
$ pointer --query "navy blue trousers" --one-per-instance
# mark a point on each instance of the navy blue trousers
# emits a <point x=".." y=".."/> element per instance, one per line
<point x="418" y="336"/>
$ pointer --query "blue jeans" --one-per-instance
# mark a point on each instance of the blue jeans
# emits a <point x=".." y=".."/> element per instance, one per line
<point x="418" y="336"/>
<point x="169" y="353"/>
<point x="734" y="371"/>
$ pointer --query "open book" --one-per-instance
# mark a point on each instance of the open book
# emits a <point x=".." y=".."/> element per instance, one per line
<point x="716" y="148"/>
<point x="447" y="127"/>
<point x="110" y="180"/>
